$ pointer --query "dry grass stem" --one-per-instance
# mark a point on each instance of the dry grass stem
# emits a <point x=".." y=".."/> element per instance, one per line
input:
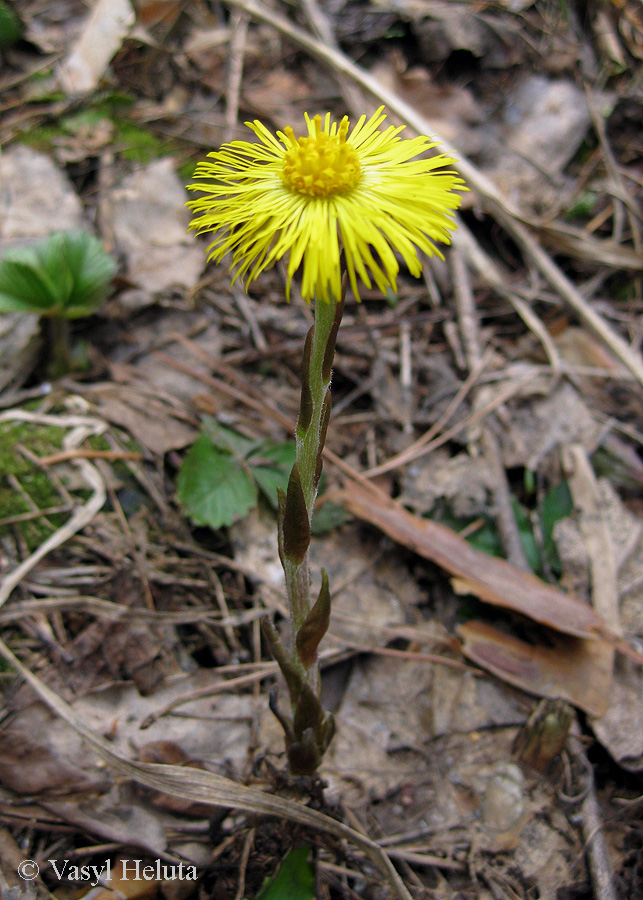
<point x="207" y="787"/>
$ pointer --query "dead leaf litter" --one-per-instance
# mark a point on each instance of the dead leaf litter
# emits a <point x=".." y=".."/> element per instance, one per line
<point x="483" y="661"/>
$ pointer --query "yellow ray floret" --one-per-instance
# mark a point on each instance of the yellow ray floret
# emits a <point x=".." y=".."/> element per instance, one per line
<point x="366" y="193"/>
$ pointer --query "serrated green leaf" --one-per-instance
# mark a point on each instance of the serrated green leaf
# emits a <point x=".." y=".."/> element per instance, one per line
<point x="66" y="275"/>
<point x="271" y="466"/>
<point x="228" y="439"/>
<point x="295" y="879"/>
<point x="212" y="487"/>
<point x="328" y="517"/>
<point x="281" y="454"/>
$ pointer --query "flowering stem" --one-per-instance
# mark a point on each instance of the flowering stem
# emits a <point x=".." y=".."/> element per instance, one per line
<point x="310" y="436"/>
<point x="309" y="729"/>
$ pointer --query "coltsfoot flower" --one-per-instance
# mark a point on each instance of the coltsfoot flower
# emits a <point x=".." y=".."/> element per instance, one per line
<point x="366" y="192"/>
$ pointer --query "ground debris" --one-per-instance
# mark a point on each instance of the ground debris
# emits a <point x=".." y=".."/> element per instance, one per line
<point x="150" y="628"/>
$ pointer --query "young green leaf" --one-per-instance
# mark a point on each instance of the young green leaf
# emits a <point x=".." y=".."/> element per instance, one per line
<point x="11" y="27"/>
<point x="295" y="879"/>
<point x="212" y="487"/>
<point x="240" y="466"/>
<point x="526" y="534"/>
<point x="557" y="504"/>
<point x="271" y="465"/>
<point x="67" y="275"/>
<point x="328" y="517"/>
<point x="24" y="286"/>
<point x="227" y="439"/>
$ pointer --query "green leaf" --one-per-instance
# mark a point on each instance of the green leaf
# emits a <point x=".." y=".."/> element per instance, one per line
<point x="486" y="538"/>
<point x="557" y="504"/>
<point x="526" y="534"/>
<point x="328" y="516"/>
<point x="24" y="286"/>
<point x="212" y="487"/>
<point x="271" y="465"/>
<point x="83" y="266"/>
<point x="229" y="440"/>
<point x="295" y="879"/>
<point x="226" y="462"/>
<point x="584" y="206"/>
<point x="10" y="26"/>
<point x="66" y="275"/>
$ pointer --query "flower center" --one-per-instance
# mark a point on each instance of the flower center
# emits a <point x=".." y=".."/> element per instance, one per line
<point x="322" y="164"/>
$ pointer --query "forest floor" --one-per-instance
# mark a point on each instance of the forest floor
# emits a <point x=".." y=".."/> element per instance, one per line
<point x="480" y="517"/>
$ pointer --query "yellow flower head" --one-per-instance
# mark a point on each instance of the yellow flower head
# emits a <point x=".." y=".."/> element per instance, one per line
<point x="303" y="196"/>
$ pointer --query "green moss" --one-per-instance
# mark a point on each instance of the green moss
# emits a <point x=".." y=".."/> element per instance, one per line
<point x="35" y="483"/>
<point x="131" y="140"/>
<point x="42" y="441"/>
<point x="137" y="143"/>
<point x="43" y="138"/>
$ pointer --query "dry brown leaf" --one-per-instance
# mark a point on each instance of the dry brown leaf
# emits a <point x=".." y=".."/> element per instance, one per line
<point x="491" y="579"/>
<point x="20" y="343"/>
<point x="452" y="108"/>
<point x="147" y="216"/>
<point x="36" y="197"/>
<point x="202" y="786"/>
<point x="121" y="884"/>
<point x="279" y="93"/>
<point x="103" y="33"/>
<point x="573" y="669"/>
<point x="620" y="729"/>
<point x="151" y="421"/>
<point x="114" y="819"/>
<point x="156" y="12"/>
<point x="32" y="763"/>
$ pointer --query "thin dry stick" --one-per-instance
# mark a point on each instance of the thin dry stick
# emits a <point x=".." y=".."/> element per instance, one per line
<point x="596" y="533"/>
<point x="81" y="517"/>
<point x="219" y="593"/>
<point x="416" y="452"/>
<point x="243" y="863"/>
<point x="470" y="331"/>
<point x="412" y="451"/>
<point x="80" y="453"/>
<point x="598" y="856"/>
<point x="116" y="612"/>
<point x="239" y="31"/>
<point x="493" y="276"/>
<point x="34" y="514"/>
<point x="612" y="167"/>
<point x="498" y="205"/>
<point x="320" y="26"/>
<point x="600" y="550"/>
<point x="241" y="299"/>
<point x="206" y="787"/>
